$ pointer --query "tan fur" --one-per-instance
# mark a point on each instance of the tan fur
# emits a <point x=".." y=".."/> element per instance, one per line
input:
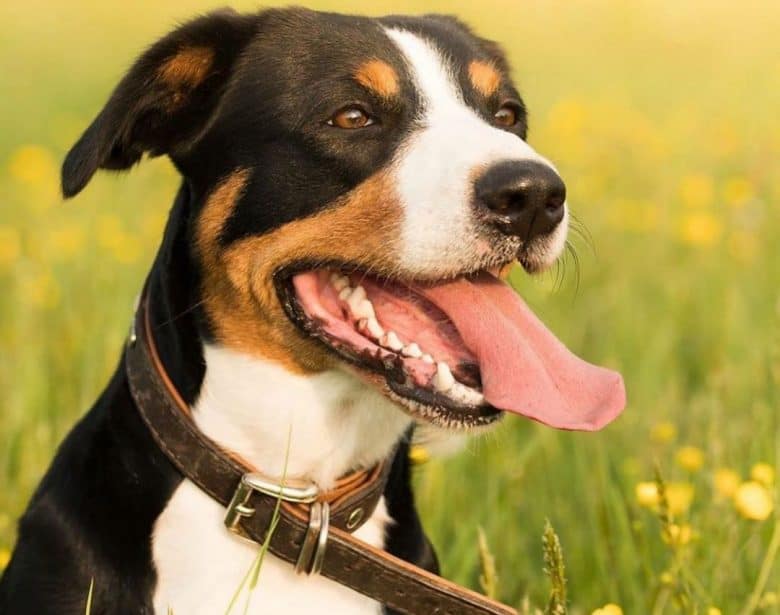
<point x="379" y="77"/>
<point x="188" y="68"/>
<point x="484" y="77"/>
<point x="239" y="293"/>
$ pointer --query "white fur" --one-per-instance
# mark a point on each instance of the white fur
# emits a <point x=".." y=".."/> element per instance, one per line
<point x="437" y="165"/>
<point x="336" y="423"/>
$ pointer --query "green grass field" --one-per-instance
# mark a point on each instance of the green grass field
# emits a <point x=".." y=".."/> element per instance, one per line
<point x="663" y="118"/>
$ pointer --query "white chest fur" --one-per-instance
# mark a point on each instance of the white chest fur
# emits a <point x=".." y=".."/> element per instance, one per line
<point x="200" y="566"/>
<point x="332" y="424"/>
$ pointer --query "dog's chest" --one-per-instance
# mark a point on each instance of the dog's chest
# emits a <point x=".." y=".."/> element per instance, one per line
<point x="200" y="566"/>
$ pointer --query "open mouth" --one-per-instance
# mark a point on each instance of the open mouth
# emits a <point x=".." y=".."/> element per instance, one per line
<point x="456" y="352"/>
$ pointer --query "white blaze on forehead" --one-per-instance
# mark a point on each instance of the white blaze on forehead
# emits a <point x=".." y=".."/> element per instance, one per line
<point x="437" y="165"/>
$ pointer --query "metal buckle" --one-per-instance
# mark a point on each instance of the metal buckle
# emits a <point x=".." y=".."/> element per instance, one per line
<point x="314" y="542"/>
<point x="252" y="482"/>
<point x="313" y="548"/>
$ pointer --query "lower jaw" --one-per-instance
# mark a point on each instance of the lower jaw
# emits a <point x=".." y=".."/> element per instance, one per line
<point x="420" y="403"/>
<point x="428" y="406"/>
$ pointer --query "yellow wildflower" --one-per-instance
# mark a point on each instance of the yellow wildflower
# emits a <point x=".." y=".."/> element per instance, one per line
<point x="753" y="501"/>
<point x="647" y="494"/>
<point x="737" y="191"/>
<point x="696" y="191"/>
<point x="5" y="557"/>
<point x="690" y="458"/>
<point x="726" y="482"/>
<point x="679" y="496"/>
<point x="701" y="229"/>
<point x="677" y="535"/>
<point x="666" y="578"/>
<point x="763" y="473"/>
<point x="663" y="432"/>
<point x="31" y="164"/>
<point x="609" y="609"/>
<point x="714" y="611"/>
<point x="769" y="599"/>
<point x="418" y="454"/>
<point x="10" y="245"/>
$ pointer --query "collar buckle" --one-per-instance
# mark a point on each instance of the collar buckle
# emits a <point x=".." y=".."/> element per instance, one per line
<point x="252" y="482"/>
<point x="315" y="540"/>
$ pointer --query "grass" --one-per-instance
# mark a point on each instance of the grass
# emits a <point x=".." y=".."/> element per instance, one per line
<point x="662" y="118"/>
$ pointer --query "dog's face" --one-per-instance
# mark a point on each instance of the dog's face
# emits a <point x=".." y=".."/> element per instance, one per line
<point x="358" y="184"/>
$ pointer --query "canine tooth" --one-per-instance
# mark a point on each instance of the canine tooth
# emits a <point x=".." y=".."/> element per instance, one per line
<point x="345" y="293"/>
<point x="412" y="350"/>
<point x="390" y="341"/>
<point x="443" y="380"/>
<point x="339" y="282"/>
<point x="426" y="358"/>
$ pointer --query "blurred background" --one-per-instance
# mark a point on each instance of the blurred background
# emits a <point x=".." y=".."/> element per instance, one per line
<point x="663" y="119"/>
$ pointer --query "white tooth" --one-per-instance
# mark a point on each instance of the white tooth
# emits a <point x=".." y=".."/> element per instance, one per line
<point x="390" y="340"/>
<point x="339" y="282"/>
<point x="371" y="327"/>
<point x="356" y="301"/>
<point x="345" y="293"/>
<point x="443" y="380"/>
<point x="374" y="328"/>
<point x="412" y="350"/>
<point x="358" y="295"/>
<point x="467" y="395"/>
<point x="364" y="309"/>
<point x="426" y="358"/>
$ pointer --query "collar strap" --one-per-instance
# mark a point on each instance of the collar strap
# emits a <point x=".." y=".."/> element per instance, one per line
<point x="313" y="529"/>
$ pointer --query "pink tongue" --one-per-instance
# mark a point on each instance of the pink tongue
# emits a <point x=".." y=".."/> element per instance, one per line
<point x="525" y="368"/>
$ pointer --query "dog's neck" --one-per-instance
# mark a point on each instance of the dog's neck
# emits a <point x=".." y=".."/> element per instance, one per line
<point x="332" y="422"/>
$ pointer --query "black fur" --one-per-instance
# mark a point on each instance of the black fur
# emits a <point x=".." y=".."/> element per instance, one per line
<point x="276" y="78"/>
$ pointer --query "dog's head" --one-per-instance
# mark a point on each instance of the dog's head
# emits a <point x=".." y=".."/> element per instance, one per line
<point x="358" y="186"/>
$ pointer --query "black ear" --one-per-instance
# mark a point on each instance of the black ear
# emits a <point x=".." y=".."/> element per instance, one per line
<point x="165" y="99"/>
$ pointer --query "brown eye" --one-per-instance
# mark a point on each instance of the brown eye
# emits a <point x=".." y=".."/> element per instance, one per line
<point x="506" y="116"/>
<point x="351" y="118"/>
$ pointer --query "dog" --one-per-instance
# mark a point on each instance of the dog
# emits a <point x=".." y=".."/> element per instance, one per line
<point x="331" y="274"/>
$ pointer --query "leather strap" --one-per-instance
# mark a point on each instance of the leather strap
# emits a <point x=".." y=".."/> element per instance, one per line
<point x="372" y="572"/>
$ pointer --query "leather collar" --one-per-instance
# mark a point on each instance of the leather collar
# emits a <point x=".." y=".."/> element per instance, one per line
<point x="308" y="529"/>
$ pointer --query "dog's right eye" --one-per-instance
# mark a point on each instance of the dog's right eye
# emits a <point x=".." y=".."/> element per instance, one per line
<point x="351" y="118"/>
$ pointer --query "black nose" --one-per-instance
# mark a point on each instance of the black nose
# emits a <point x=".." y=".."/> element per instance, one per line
<point x="523" y="198"/>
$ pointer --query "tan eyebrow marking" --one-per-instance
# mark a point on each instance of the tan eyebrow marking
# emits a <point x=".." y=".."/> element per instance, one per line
<point x="484" y="77"/>
<point x="189" y="67"/>
<point x="380" y="77"/>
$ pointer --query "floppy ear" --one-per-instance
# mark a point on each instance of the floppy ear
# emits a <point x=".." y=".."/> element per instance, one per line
<point x="165" y="99"/>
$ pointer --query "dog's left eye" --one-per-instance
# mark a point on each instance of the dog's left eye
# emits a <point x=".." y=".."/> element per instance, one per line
<point x="351" y="118"/>
<point x="507" y="116"/>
